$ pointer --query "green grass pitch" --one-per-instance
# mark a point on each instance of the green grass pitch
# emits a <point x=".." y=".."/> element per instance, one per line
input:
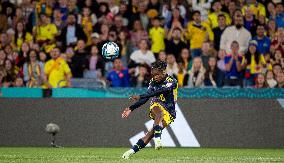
<point x="84" y="155"/>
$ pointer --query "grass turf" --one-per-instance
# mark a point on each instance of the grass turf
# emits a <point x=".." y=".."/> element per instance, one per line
<point x="83" y="155"/>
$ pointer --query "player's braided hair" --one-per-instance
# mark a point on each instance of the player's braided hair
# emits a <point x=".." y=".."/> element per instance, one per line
<point x="159" y="65"/>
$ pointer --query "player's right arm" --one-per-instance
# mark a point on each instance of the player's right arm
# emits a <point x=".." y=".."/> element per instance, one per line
<point x="137" y="104"/>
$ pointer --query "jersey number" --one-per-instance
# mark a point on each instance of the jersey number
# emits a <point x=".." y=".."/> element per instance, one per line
<point x="162" y="98"/>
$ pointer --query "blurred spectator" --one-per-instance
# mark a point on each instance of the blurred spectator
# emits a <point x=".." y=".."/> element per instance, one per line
<point x="279" y="15"/>
<point x="172" y="66"/>
<point x="174" y="43"/>
<point x="207" y="51"/>
<point x="21" y="35"/>
<point x="263" y="42"/>
<point x="221" y="61"/>
<point x="219" y="30"/>
<point x="235" y="33"/>
<point x="162" y="56"/>
<point x="2" y="76"/>
<point x="280" y="80"/>
<point x="3" y="22"/>
<point x="143" y="77"/>
<point x="250" y="22"/>
<point x="33" y="70"/>
<point x="202" y="6"/>
<point x="254" y="64"/>
<point x="277" y="69"/>
<point x="18" y="82"/>
<point x="157" y="36"/>
<point x="175" y="4"/>
<point x="87" y="21"/>
<point x="72" y="32"/>
<point x="96" y="65"/>
<point x="213" y="76"/>
<point x="271" y="29"/>
<point x="196" y="74"/>
<point x="198" y="32"/>
<point x="213" y="16"/>
<point x="11" y="73"/>
<point x="118" y="24"/>
<point x="271" y="82"/>
<point x="278" y="41"/>
<point x="79" y="61"/>
<point x="256" y="8"/>
<point x="62" y="6"/>
<point x="141" y="56"/>
<point x="137" y="34"/>
<point x="154" y="4"/>
<point x="233" y="66"/>
<point x="278" y="58"/>
<point x="4" y="40"/>
<point x="185" y="60"/>
<point x="23" y="54"/>
<point x="42" y="57"/>
<point x="57" y="20"/>
<point x="114" y="9"/>
<point x="45" y="32"/>
<point x="176" y="20"/>
<point x="232" y="8"/>
<point x="125" y="49"/>
<point x="57" y="71"/>
<point x="119" y="76"/>
<point x="260" y="81"/>
<point x="2" y="58"/>
<point x="270" y="9"/>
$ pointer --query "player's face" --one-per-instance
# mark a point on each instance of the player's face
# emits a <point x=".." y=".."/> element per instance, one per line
<point x="158" y="75"/>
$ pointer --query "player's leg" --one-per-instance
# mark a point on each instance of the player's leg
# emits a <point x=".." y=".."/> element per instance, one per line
<point x="141" y="143"/>
<point x="158" y="115"/>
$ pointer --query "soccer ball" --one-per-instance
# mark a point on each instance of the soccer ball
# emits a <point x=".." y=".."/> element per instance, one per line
<point x="110" y="50"/>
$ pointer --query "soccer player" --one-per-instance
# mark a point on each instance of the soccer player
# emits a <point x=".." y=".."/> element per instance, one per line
<point x="163" y="89"/>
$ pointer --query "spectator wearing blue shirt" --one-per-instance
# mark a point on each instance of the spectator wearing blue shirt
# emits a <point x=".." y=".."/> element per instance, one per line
<point x="119" y="76"/>
<point x="233" y="66"/>
<point x="279" y="15"/>
<point x="263" y="42"/>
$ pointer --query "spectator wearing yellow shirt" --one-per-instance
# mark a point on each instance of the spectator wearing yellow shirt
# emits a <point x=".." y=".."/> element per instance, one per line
<point x="57" y="71"/>
<point x="198" y="32"/>
<point x="213" y="16"/>
<point x="157" y="36"/>
<point x="21" y="35"/>
<point x="44" y="6"/>
<point x="256" y="7"/>
<point x="45" y="33"/>
<point x="87" y="20"/>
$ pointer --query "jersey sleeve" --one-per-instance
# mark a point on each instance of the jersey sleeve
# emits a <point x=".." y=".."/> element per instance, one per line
<point x="141" y="101"/>
<point x="170" y="85"/>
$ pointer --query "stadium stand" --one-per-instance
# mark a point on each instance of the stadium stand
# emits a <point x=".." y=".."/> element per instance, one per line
<point x="30" y="31"/>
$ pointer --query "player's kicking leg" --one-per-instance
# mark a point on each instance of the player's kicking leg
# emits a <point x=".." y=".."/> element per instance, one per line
<point x="155" y="133"/>
<point x="139" y="145"/>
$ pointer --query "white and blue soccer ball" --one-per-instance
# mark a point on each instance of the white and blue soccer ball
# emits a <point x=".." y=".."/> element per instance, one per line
<point x="110" y="50"/>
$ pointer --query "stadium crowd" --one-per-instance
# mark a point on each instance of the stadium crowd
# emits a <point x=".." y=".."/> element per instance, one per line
<point x="206" y="43"/>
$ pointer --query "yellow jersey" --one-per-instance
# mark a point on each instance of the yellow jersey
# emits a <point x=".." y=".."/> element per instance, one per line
<point x="56" y="71"/>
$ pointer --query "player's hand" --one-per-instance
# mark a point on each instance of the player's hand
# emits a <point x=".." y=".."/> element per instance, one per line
<point x="134" y="97"/>
<point x="125" y="113"/>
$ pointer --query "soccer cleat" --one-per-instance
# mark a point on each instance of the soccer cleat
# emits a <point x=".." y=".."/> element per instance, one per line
<point x="128" y="153"/>
<point x="158" y="143"/>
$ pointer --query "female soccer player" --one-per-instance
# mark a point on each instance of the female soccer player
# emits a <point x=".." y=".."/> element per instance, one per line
<point x="163" y="89"/>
